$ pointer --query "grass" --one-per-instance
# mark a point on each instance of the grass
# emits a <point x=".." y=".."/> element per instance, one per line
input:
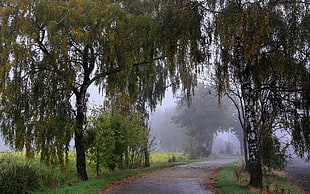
<point x="226" y="182"/>
<point x="274" y="182"/>
<point x="278" y="181"/>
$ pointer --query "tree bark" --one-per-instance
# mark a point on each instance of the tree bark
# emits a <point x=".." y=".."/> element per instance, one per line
<point x="254" y="162"/>
<point x="251" y="121"/>
<point x="146" y="158"/>
<point x="242" y="146"/>
<point x="80" y="156"/>
<point x="251" y="128"/>
<point x="245" y="150"/>
<point x="79" y="136"/>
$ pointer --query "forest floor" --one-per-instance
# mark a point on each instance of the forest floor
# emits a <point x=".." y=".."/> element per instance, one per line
<point x="190" y="178"/>
<point x="299" y="170"/>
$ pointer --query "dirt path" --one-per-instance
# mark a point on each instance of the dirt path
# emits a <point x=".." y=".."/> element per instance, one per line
<point x="300" y="171"/>
<point x="190" y="178"/>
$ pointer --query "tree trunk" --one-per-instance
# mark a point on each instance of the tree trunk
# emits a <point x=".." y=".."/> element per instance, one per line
<point x="146" y="151"/>
<point x="79" y="137"/>
<point x="254" y="163"/>
<point x="146" y="158"/>
<point x="251" y="125"/>
<point x="97" y="161"/>
<point x="241" y="146"/>
<point x="245" y="149"/>
<point x="80" y="156"/>
<point x="250" y="115"/>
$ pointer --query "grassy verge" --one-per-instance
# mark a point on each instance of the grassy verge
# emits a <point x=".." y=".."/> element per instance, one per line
<point x="274" y="182"/>
<point x="226" y="182"/>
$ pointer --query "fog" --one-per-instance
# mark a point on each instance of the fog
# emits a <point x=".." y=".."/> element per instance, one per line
<point x="2" y="146"/>
<point x="222" y="142"/>
<point x="170" y="137"/>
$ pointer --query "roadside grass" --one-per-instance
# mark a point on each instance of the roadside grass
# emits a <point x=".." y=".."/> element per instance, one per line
<point x="274" y="182"/>
<point x="157" y="158"/>
<point x="226" y="182"/>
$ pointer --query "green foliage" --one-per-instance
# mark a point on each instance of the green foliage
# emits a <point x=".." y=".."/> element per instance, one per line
<point x="23" y="177"/>
<point x="117" y="141"/>
<point x="273" y="154"/>
<point x="18" y="179"/>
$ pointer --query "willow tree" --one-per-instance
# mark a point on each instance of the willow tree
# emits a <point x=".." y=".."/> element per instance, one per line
<point x="53" y="51"/>
<point x="262" y="56"/>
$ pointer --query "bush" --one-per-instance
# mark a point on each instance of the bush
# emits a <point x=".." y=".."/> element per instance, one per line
<point x="117" y="141"/>
<point x="172" y="159"/>
<point x="23" y="177"/>
<point x="18" y="179"/>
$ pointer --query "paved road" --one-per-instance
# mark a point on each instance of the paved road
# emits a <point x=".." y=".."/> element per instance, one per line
<point x="190" y="178"/>
<point x="300" y="171"/>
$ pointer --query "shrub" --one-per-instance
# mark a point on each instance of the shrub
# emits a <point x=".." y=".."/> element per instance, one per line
<point x="18" y="179"/>
<point x="23" y="177"/>
<point x="172" y="159"/>
<point x="117" y="141"/>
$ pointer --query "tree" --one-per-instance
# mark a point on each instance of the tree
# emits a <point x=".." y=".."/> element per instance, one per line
<point x="201" y="118"/>
<point x="53" y="51"/>
<point x="116" y="141"/>
<point x="262" y="57"/>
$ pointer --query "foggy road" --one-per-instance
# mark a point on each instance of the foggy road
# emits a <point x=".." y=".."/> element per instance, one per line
<point x="189" y="178"/>
<point x="300" y="171"/>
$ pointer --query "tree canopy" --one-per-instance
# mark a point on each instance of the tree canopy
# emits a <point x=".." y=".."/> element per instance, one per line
<point x="262" y="57"/>
<point x="52" y="51"/>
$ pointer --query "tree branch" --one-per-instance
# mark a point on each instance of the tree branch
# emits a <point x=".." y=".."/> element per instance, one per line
<point x="118" y="69"/>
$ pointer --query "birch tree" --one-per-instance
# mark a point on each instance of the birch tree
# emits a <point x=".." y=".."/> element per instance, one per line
<point x="262" y="56"/>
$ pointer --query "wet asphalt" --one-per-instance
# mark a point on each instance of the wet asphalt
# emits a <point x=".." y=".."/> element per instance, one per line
<point x="182" y="179"/>
<point x="300" y="171"/>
